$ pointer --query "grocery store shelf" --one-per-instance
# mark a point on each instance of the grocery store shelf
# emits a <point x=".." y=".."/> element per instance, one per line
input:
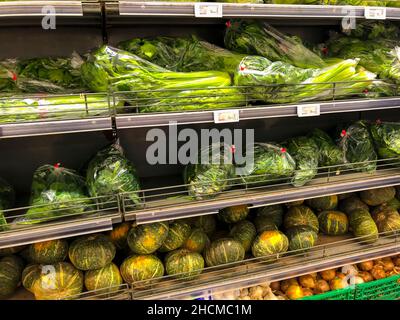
<point x="236" y="10"/>
<point x="183" y="207"/>
<point x="273" y="268"/>
<point x="41" y="8"/>
<point x="256" y="112"/>
<point x="40" y="128"/>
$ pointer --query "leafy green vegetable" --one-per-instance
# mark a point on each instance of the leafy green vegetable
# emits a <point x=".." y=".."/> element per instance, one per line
<point x="258" y="38"/>
<point x="56" y="192"/>
<point x="358" y="148"/>
<point x="183" y="54"/>
<point x="109" y="173"/>
<point x="15" y="109"/>
<point x="386" y="137"/>
<point x="304" y="150"/>
<point x="8" y="76"/>
<point x="329" y="153"/>
<point x="213" y="172"/>
<point x="272" y="164"/>
<point x="7" y="198"/>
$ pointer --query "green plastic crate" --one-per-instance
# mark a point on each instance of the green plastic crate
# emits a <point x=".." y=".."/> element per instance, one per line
<point x="384" y="289"/>
<point x="341" y="294"/>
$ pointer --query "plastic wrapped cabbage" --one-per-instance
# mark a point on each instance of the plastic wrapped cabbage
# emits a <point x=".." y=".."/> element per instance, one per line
<point x="213" y="173"/>
<point x="358" y="147"/>
<point x="271" y="164"/>
<point x="386" y="136"/>
<point x="110" y="173"/>
<point x="329" y="153"/>
<point x="304" y="150"/>
<point x="56" y="192"/>
<point x="7" y="198"/>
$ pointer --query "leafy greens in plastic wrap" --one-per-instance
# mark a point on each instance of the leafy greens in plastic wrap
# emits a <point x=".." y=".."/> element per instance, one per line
<point x="7" y="198"/>
<point x="56" y="192"/>
<point x="386" y="136"/>
<point x="109" y="173"/>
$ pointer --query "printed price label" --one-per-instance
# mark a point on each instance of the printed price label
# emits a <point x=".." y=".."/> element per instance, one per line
<point x="308" y="110"/>
<point x="225" y="116"/>
<point x="207" y="10"/>
<point x="376" y="13"/>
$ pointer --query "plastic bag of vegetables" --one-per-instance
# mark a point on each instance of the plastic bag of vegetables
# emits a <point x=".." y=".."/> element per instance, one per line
<point x="56" y="192"/>
<point x="109" y="173"/>
<point x="213" y="173"/>
<point x="271" y="164"/>
<point x="304" y="150"/>
<point x="329" y="153"/>
<point x="256" y="37"/>
<point x="358" y="147"/>
<point x="183" y="54"/>
<point x="7" y="198"/>
<point x="386" y="136"/>
<point x="8" y="76"/>
<point x="25" y="108"/>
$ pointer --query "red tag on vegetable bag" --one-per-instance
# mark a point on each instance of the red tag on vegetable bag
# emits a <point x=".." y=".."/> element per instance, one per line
<point x="324" y="50"/>
<point x="233" y="149"/>
<point x="283" y="150"/>
<point x="57" y="165"/>
<point x="228" y="24"/>
<point x="343" y="133"/>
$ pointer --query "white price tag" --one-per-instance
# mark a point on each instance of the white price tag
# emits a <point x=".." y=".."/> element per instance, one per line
<point x="308" y="110"/>
<point x="376" y="13"/>
<point x="225" y="116"/>
<point x="207" y="10"/>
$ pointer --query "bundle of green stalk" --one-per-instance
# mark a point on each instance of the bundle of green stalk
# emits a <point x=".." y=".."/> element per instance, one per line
<point x="261" y="39"/>
<point x="14" y="109"/>
<point x="183" y="54"/>
<point x="279" y="82"/>
<point x="152" y="88"/>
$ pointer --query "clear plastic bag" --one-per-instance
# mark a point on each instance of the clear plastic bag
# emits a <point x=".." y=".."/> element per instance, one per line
<point x="56" y="192"/>
<point x="329" y="153"/>
<point x="110" y="173"/>
<point x="7" y="199"/>
<point x="386" y="136"/>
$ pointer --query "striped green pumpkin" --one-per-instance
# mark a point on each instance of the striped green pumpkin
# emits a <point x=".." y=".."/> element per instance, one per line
<point x="394" y="203"/>
<point x="233" y="214"/>
<point x="353" y="203"/>
<point x="333" y="223"/>
<point x="10" y="275"/>
<point x="270" y="242"/>
<point x="57" y="281"/>
<point x="300" y="216"/>
<point x="177" y="235"/>
<point x="387" y="220"/>
<point x="119" y="234"/>
<point x="184" y="263"/>
<point x="147" y="238"/>
<point x="29" y="275"/>
<point x="323" y="203"/>
<point x="274" y="213"/>
<point x="244" y="232"/>
<point x="263" y="223"/>
<point x="207" y="223"/>
<point x="301" y="237"/>
<point x="375" y="197"/>
<point x="141" y="267"/>
<point x="197" y="241"/>
<point x="223" y="251"/>
<point x="362" y="225"/>
<point x="47" y="252"/>
<point x="107" y="279"/>
<point x="91" y="252"/>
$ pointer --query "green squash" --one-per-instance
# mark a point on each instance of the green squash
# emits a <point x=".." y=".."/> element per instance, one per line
<point x="197" y="241"/>
<point x="107" y="279"/>
<point x="263" y="223"/>
<point x="300" y="216"/>
<point x="244" y="232"/>
<point x="353" y="203"/>
<point x="207" y="223"/>
<point x="141" y="267"/>
<point x="343" y="196"/>
<point x="57" y="281"/>
<point x="29" y="275"/>
<point x="184" y="263"/>
<point x="323" y="203"/>
<point x="333" y="223"/>
<point x="394" y="203"/>
<point x="274" y="213"/>
<point x="177" y="235"/>
<point x="233" y="214"/>
<point x="47" y="252"/>
<point x="147" y="238"/>
<point x="362" y="225"/>
<point x="375" y="197"/>
<point x="223" y="251"/>
<point x="119" y="235"/>
<point x="10" y="275"/>
<point x="11" y="250"/>
<point x="91" y="252"/>
<point x="301" y="237"/>
<point x="294" y="203"/>
<point x="269" y="243"/>
<point x="387" y="220"/>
